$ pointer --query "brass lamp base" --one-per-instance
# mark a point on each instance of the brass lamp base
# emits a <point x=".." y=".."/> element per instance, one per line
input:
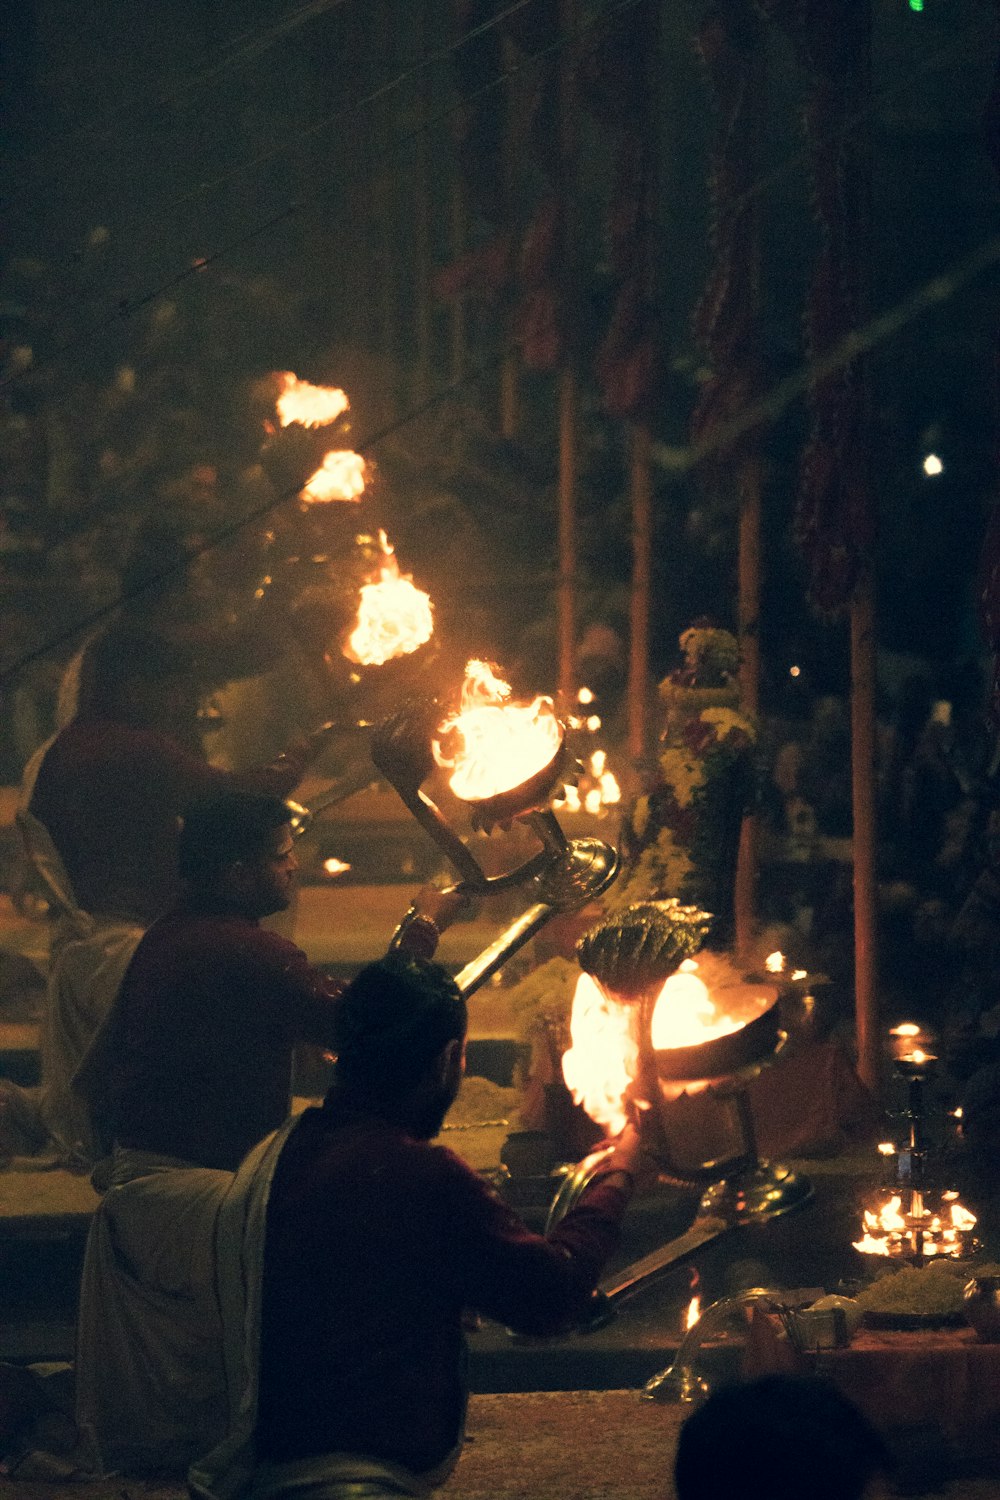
<point x="578" y="874"/>
<point x="761" y="1192"/>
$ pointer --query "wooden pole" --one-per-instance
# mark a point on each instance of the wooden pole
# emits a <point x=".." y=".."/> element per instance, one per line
<point x="566" y="587"/>
<point x="422" y="220"/>
<point x="864" y="637"/>
<point x="639" y="599"/>
<point x="510" y="410"/>
<point x="641" y="475"/>
<point x="748" y="607"/>
<point x="568" y="396"/>
<point x="863" y="655"/>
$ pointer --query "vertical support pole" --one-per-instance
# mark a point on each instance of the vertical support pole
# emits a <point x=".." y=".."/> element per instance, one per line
<point x="510" y="408"/>
<point x="639" y="601"/>
<point x="422" y="218"/>
<point x="748" y="609"/>
<point x="566" y="589"/>
<point x="863" y="806"/>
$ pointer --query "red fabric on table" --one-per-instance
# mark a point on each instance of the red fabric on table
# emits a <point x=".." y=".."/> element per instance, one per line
<point x="944" y="1379"/>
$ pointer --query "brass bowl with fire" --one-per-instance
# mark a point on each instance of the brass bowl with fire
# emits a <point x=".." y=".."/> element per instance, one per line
<point x="647" y="1030"/>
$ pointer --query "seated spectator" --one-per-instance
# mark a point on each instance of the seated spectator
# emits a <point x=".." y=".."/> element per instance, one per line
<point x="782" y="1437"/>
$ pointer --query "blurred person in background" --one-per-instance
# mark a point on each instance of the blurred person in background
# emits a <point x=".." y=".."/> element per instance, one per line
<point x="99" y="816"/>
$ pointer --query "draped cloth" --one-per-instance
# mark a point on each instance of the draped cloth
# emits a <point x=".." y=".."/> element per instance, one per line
<point x="150" y="1382"/>
<point x="230" y="1470"/>
<point x="88" y="957"/>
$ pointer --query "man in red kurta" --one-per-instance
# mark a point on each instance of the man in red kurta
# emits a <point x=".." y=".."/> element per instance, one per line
<point x="113" y="783"/>
<point x="104" y="800"/>
<point x="351" y="1247"/>
<point x="192" y="1067"/>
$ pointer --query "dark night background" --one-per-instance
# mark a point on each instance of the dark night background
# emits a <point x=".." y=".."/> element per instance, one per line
<point x="308" y="154"/>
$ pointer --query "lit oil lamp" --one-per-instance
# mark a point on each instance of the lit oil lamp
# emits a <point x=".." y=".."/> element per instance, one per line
<point x="910" y="1219"/>
<point x="504" y="760"/>
<point x="394" y="617"/>
<point x="654" y="1019"/>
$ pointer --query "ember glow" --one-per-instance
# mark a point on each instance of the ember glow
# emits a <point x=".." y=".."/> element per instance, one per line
<point x="394" y="616"/>
<point x="916" y="1232"/>
<point x="309" y="405"/>
<point x="341" y="476"/>
<point x="493" y="744"/>
<point x="603" y="1056"/>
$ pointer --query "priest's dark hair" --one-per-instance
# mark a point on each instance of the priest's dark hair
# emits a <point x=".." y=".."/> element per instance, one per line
<point x="218" y="831"/>
<point x="779" y="1437"/>
<point x="392" y="1021"/>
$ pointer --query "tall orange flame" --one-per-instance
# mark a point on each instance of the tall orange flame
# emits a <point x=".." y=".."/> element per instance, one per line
<point x="394" y="616"/>
<point x="309" y="405"/>
<point x="492" y="744"/>
<point x="603" y="1057"/>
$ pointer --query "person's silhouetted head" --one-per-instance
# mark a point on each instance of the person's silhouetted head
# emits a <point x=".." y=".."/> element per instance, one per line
<point x="399" y="1036"/>
<point x="782" y="1437"/>
<point x="236" y="850"/>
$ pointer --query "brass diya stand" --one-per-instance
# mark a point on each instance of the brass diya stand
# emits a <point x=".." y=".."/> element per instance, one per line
<point x="565" y="874"/>
<point x="739" y="1190"/>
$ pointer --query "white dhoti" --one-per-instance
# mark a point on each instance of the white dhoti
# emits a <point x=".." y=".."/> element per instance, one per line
<point x="84" y="977"/>
<point x="88" y="957"/>
<point x="150" y="1379"/>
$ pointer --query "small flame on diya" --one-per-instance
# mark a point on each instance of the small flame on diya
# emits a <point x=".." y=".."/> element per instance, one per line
<point x="309" y="405"/>
<point x="692" y="1312"/>
<point x="918" y="1231"/>
<point x="494" y="744"/>
<point x="394" y="616"/>
<point x="334" y="866"/>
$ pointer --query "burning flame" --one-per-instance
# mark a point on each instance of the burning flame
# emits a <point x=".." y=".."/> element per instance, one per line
<point x="334" y="866"/>
<point x="685" y="1013"/>
<point x="606" y="1033"/>
<point x="603" y="1056"/>
<point x="309" y="405"/>
<point x="693" y="1313"/>
<point x="341" y="476"/>
<point x="891" y="1232"/>
<point x="498" y="744"/>
<point x="394" y="616"/>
